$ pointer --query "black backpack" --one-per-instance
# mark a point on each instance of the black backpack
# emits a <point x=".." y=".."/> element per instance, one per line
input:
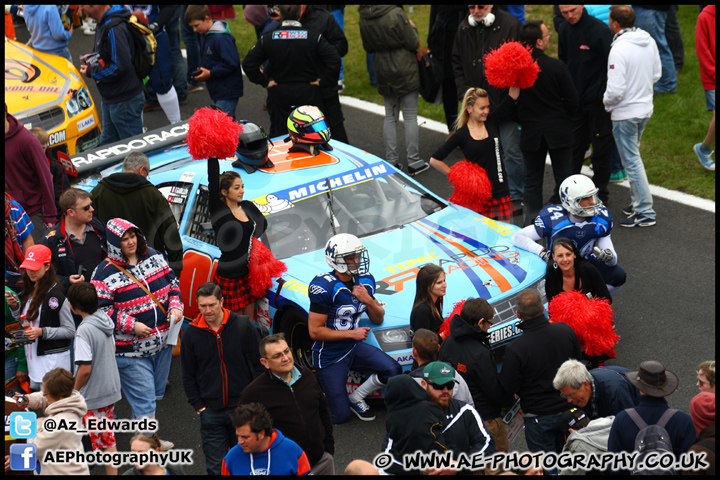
<point x="652" y="438"/>
<point x="145" y="44"/>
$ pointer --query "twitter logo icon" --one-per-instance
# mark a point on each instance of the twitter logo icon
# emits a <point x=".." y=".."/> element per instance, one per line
<point x="23" y="425"/>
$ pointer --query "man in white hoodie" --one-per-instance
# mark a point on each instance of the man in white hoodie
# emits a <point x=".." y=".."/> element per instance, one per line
<point x="633" y="67"/>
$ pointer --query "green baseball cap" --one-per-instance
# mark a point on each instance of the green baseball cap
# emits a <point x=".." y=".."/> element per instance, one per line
<point x="439" y="373"/>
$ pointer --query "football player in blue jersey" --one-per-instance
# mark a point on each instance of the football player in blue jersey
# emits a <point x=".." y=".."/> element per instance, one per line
<point x="582" y="218"/>
<point x="337" y="300"/>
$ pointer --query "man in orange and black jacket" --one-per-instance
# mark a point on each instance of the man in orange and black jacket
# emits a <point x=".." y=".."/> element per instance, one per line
<point x="212" y="344"/>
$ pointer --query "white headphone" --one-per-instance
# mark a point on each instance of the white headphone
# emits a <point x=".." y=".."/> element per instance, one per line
<point x="487" y="20"/>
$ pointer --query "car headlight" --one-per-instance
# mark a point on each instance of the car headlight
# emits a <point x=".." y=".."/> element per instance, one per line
<point x="79" y="102"/>
<point x="393" y="339"/>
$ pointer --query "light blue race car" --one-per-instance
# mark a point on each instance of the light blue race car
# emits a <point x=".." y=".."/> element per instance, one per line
<point x="402" y="225"/>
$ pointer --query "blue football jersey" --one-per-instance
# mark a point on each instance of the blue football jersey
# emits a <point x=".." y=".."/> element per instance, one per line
<point x="553" y="222"/>
<point x="344" y="310"/>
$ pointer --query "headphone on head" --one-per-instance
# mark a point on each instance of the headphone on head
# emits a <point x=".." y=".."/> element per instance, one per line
<point x="486" y="21"/>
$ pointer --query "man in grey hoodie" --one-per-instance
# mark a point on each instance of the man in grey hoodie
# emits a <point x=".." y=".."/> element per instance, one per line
<point x="96" y="373"/>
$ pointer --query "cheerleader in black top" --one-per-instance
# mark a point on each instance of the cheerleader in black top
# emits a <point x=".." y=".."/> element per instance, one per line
<point x="235" y="222"/>
<point x="478" y="137"/>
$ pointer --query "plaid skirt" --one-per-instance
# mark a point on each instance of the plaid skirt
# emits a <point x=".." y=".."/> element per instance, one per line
<point x="499" y="209"/>
<point x="236" y="292"/>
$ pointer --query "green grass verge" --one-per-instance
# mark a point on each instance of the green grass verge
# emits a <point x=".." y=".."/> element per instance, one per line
<point x="680" y="120"/>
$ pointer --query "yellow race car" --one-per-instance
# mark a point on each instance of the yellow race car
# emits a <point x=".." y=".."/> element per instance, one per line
<point x="43" y="90"/>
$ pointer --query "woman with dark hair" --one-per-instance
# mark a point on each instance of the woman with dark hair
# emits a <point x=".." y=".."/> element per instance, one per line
<point x="46" y="316"/>
<point x="428" y="304"/>
<point x="235" y="222"/>
<point x="568" y="271"/>
<point x="137" y="289"/>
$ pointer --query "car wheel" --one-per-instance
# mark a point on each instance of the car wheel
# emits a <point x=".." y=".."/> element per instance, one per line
<point x="295" y="328"/>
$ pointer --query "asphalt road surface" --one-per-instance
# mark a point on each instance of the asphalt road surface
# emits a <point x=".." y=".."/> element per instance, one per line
<point x="665" y="312"/>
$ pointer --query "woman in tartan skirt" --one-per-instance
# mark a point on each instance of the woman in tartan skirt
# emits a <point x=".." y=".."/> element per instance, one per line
<point x="235" y="222"/>
<point x="478" y="136"/>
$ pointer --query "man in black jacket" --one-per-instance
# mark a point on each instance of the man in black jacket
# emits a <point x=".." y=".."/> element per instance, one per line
<point x="215" y="371"/>
<point x="314" y="17"/>
<point x="302" y="63"/>
<point x="77" y="242"/>
<point x="411" y="424"/>
<point x="529" y="367"/>
<point x="584" y="46"/>
<point x="293" y="398"/>
<point x="467" y="349"/>
<point x="545" y="111"/>
<point x="464" y="430"/>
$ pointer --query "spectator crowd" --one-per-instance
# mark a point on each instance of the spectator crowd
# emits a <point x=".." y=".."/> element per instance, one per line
<point x="92" y="286"/>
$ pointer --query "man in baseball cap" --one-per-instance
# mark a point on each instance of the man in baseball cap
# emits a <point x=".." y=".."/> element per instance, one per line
<point x="464" y="430"/>
<point x="655" y="383"/>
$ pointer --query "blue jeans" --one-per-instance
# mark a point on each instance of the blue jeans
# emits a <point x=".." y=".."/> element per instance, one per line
<point x="122" y="120"/>
<point x="616" y="162"/>
<point x="653" y="22"/>
<point x="545" y="434"/>
<point x="227" y="106"/>
<point x="627" y="135"/>
<point x="218" y="436"/>
<point x="333" y="379"/>
<point x="143" y="380"/>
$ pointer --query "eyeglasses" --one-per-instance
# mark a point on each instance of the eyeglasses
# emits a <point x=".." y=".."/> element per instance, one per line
<point x="86" y="207"/>
<point x="435" y="386"/>
<point x="489" y="322"/>
<point x="278" y="356"/>
<point x="570" y="395"/>
<point x="702" y="384"/>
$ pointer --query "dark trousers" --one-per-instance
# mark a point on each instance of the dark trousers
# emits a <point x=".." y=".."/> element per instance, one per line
<point x="561" y="159"/>
<point x="218" y="436"/>
<point x="288" y="96"/>
<point x="593" y="126"/>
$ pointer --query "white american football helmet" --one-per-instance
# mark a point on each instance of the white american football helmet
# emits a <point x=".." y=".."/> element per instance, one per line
<point x="342" y="246"/>
<point x="573" y="189"/>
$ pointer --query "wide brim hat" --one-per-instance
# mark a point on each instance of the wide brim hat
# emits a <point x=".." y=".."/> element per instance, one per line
<point x="653" y="379"/>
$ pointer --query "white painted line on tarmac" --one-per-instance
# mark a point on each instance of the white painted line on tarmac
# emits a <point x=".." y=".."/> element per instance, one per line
<point x="672" y="195"/>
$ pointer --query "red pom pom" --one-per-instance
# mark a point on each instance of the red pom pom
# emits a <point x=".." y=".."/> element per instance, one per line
<point x="591" y="320"/>
<point x="444" y="330"/>
<point x="473" y="188"/>
<point x="511" y="65"/>
<point x="212" y="133"/>
<point x="263" y="266"/>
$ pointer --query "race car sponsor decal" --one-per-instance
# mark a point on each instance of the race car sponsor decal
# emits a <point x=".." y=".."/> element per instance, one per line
<point x="17" y="70"/>
<point x="505" y="333"/>
<point x="57" y="137"/>
<point x="311" y="189"/>
<point x="86" y="123"/>
<point x="101" y="156"/>
<point x="273" y="204"/>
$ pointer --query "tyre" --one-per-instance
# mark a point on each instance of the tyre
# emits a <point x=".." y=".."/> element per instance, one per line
<point x="295" y="327"/>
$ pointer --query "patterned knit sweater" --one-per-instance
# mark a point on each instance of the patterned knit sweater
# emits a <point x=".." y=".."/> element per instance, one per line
<point x="126" y="303"/>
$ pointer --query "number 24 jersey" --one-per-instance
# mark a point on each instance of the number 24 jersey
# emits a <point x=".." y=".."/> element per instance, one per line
<point x="553" y="222"/>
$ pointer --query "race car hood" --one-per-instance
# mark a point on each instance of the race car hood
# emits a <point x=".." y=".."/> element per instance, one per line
<point x="475" y="252"/>
<point x="40" y="80"/>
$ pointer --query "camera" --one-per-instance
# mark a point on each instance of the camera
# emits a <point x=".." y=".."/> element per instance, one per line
<point x="92" y="59"/>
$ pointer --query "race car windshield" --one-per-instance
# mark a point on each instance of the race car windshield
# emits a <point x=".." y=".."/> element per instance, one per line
<point x="362" y="209"/>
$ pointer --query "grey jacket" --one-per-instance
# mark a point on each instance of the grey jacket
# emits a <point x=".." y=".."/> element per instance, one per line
<point x="102" y="388"/>
<point x="591" y="439"/>
<point x="386" y="32"/>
